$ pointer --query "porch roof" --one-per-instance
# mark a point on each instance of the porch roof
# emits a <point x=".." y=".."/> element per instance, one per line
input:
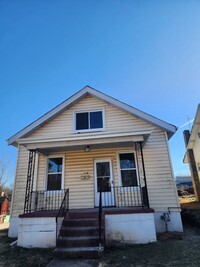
<point x="81" y="141"/>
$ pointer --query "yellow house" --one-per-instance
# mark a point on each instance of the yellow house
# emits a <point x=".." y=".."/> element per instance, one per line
<point x="93" y="158"/>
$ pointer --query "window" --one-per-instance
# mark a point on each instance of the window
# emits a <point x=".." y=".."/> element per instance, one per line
<point x="92" y="120"/>
<point x="128" y="169"/>
<point x="54" y="175"/>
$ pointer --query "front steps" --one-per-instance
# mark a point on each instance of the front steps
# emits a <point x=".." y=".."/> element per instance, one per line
<point x="79" y="236"/>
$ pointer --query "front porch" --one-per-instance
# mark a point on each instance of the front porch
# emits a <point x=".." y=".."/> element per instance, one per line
<point x="106" y="198"/>
<point x="81" y="232"/>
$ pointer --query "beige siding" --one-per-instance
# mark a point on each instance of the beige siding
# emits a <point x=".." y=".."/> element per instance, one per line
<point x="20" y="182"/>
<point x="161" y="187"/>
<point x="162" y="192"/>
<point x="41" y="172"/>
<point x="196" y="150"/>
<point x="116" y="120"/>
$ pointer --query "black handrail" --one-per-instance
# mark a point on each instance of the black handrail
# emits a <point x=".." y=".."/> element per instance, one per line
<point x="100" y="216"/>
<point x="64" y="207"/>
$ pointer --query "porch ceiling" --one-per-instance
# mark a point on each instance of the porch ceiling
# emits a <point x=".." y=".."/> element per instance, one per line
<point x="81" y="141"/>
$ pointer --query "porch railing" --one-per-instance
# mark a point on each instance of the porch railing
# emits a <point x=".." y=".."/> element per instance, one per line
<point x="64" y="208"/>
<point x="120" y="196"/>
<point x="46" y="200"/>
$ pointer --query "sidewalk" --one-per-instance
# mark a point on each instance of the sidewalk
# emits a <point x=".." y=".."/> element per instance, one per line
<point x="74" y="263"/>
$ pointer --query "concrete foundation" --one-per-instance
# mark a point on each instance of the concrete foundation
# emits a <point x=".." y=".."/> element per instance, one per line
<point x="130" y="228"/>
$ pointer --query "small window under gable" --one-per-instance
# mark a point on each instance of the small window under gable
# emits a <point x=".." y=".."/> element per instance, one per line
<point x="89" y="121"/>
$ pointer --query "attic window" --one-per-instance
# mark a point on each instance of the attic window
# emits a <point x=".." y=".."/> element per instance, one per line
<point x="89" y="120"/>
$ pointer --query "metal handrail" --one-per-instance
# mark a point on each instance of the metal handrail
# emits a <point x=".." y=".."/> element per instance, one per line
<point x="100" y="217"/>
<point x="64" y="207"/>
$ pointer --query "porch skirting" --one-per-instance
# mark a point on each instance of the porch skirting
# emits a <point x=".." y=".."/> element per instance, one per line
<point x="136" y="228"/>
<point x="121" y="225"/>
<point x="37" y="232"/>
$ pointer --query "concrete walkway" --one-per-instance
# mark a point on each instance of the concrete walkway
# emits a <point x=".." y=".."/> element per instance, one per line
<point x="74" y="263"/>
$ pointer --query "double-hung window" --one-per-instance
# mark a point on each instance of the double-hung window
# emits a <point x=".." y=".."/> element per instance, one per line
<point x="89" y="120"/>
<point x="128" y="170"/>
<point x="54" y="173"/>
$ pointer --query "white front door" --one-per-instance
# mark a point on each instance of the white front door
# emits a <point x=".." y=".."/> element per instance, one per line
<point x="104" y="182"/>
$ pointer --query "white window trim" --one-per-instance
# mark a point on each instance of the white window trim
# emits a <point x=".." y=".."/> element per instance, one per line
<point x="46" y="170"/>
<point x="88" y="110"/>
<point x="119" y="169"/>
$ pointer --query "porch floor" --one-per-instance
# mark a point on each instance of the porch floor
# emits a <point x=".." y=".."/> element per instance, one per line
<point x="106" y="210"/>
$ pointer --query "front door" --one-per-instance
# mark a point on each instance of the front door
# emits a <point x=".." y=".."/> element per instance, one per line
<point x="104" y="182"/>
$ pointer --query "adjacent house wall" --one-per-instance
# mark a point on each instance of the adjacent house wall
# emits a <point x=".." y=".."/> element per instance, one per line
<point x="196" y="151"/>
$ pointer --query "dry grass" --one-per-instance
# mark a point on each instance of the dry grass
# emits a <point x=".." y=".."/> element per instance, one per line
<point x="20" y="257"/>
<point x="183" y="200"/>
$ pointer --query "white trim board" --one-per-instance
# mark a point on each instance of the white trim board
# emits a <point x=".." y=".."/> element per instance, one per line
<point x="171" y="129"/>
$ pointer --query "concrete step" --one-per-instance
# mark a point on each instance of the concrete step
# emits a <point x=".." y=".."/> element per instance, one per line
<point x="79" y="252"/>
<point x="82" y="215"/>
<point x="80" y="231"/>
<point x="81" y="222"/>
<point x="81" y="241"/>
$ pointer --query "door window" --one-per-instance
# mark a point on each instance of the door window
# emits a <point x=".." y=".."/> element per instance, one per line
<point x="103" y="176"/>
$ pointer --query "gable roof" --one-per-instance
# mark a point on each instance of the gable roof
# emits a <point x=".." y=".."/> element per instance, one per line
<point x="171" y="129"/>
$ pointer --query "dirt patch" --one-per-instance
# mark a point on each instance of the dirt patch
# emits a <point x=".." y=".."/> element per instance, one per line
<point x="190" y="205"/>
<point x="191" y="213"/>
<point x="16" y="256"/>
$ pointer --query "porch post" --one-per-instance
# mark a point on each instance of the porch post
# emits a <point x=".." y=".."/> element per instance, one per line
<point x="145" y="181"/>
<point x="29" y="182"/>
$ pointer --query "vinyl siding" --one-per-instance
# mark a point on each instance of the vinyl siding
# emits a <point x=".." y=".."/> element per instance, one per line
<point x="160" y="183"/>
<point x="196" y="150"/>
<point x="20" y="182"/>
<point x="161" y="187"/>
<point x="116" y="120"/>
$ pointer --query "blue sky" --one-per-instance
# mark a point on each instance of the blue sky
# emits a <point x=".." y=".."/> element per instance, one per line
<point x="144" y="53"/>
